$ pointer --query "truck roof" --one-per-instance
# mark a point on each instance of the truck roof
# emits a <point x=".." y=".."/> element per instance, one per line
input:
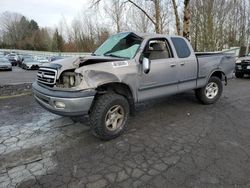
<point x="148" y="35"/>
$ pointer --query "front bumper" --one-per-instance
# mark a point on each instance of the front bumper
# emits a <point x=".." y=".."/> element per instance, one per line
<point x="75" y="102"/>
<point x="243" y="68"/>
<point x="31" y="67"/>
<point x="243" y="71"/>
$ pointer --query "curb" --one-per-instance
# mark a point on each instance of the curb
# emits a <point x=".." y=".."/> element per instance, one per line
<point x="17" y="89"/>
<point x="14" y="96"/>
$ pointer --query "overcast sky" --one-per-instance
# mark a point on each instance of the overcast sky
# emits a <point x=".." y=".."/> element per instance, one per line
<point x="45" y="12"/>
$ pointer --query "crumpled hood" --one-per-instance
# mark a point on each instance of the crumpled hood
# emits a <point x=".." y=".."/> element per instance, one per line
<point x="68" y="63"/>
<point x="96" y="70"/>
<point x="75" y="62"/>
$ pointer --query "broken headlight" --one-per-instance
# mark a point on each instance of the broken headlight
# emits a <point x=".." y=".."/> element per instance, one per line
<point x="69" y="79"/>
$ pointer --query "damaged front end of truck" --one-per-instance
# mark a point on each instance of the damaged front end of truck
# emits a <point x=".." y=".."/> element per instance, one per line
<point x="68" y="86"/>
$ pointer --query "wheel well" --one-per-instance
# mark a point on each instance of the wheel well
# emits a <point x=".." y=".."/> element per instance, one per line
<point x="218" y="74"/>
<point x="119" y="88"/>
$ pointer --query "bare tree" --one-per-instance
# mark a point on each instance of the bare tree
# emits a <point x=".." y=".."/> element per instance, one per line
<point x="65" y="29"/>
<point x="177" y="19"/>
<point x="218" y="24"/>
<point x="248" y="30"/>
<point x="157" y="16"/>
<point x="154" y="19"/>
<point x="115" y="12"/>
<point x="84" y="32"/>
<point x="10" y="26"/>
<point x="209" y="24"/>
<point x="137" y="20"/>
<point x="186" y="19"/>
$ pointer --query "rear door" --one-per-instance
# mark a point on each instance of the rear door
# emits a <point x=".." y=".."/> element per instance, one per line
<point x="187" y="64"/>
<point x="162" y="78"/>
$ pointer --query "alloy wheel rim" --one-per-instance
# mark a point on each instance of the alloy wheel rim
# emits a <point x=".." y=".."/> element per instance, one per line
<point x="114" y="118"/>
<point x="211" y="90"/>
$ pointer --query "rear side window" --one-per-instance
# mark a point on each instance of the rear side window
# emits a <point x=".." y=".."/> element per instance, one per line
<point x="181" y="47"/>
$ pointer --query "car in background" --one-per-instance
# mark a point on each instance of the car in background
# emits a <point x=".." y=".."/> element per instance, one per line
<point x="5" y="64"/>
<point x="242" y="66"/>
<point x="54" y="58"/>
<point x="24" y="56"/>
<point x="42" y="59"/>
<point x="30" y="64"/>
<point x="1" y="54"/>
<point x="14" y="59"/>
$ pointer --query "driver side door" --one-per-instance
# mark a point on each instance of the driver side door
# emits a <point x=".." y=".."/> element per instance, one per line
<point x="162" y="77"/>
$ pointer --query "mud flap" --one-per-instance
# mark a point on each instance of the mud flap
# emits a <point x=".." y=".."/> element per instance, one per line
<point x="225" y="78"/>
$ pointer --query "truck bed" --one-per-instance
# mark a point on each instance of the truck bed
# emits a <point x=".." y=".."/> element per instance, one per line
<point x="208" y="61"/>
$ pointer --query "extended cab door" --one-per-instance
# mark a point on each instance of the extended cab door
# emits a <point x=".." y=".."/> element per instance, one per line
<point x="187" y="64"/>
<point x="162" y="78"/>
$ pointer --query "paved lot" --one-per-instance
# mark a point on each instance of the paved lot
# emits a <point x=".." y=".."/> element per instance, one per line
<point x="17" y="75"/>
<point x="172" y="142"/>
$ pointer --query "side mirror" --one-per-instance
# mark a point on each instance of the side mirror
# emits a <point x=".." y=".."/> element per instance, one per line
<point x="146" y="65"/>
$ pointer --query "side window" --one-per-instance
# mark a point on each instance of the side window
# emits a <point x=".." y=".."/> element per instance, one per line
<point x="158" y="49"/>
<point x="181" y="47"/>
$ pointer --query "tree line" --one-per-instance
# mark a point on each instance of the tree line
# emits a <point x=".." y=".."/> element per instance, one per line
<point x="209" y="24"/>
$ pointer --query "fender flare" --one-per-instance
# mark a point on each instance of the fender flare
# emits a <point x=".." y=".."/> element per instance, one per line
<point x="224" y="77"/>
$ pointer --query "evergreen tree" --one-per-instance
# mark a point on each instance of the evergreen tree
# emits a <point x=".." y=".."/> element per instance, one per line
<point x="33" y="25"/>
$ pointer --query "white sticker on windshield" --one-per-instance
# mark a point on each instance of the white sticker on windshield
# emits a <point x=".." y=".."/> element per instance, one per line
<point x="120" y="64"/>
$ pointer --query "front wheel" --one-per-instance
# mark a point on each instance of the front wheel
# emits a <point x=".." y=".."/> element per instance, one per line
<point x="210" y="93"/>
<point x="109" y="115"/>
<point x="239" y="75"/>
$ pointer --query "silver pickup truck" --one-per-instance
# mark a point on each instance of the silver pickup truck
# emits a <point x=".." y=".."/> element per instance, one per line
<point x="126" y="69"/>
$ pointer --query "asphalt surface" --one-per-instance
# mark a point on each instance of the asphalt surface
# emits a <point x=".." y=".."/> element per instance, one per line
<point x="171" y="142"/>
<point x="17" y="75"/>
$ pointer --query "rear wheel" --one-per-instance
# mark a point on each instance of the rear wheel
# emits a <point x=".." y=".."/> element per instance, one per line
<point x="239" y="75"/>
<point x="109" y="115"/>
<point x="210" y="93"/>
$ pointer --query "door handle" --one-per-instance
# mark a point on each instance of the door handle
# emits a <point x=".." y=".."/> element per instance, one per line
<point x="172" y="65"/>
<point x="182" y="64"/>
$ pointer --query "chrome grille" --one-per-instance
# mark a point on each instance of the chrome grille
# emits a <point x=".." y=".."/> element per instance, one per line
<point x="247" y="61"/>
<point x="47" y="76"/>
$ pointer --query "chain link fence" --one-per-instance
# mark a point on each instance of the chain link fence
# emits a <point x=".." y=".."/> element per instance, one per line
<point x="45" y="53"/>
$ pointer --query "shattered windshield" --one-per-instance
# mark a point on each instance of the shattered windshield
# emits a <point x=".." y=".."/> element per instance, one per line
<point x="123" y="45"/>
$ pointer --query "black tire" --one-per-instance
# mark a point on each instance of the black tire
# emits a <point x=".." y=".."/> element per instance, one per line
<point x="101" y="110"/>
<point x="201" y="93"/>
<point x="239" y="75"/>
